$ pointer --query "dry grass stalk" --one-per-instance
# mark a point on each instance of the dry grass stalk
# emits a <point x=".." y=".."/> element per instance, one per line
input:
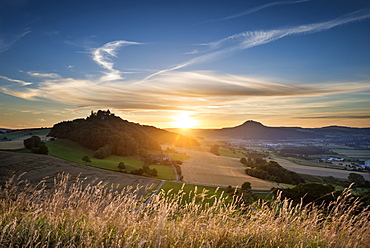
<point x="76" y="215"/>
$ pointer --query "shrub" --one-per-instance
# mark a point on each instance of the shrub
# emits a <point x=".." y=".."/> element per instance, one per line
<point x="121" y="165"/>
<point x="86" y="159"/>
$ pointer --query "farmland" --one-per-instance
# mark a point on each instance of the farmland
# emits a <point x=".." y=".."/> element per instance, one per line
<point x="354" y="153"/>
<point x="317" y="171"/>
<point x="205" y="168"/>
<point x="38" y="167"/>
<point x="24" y="133"/>
<point x="74" y="152"/>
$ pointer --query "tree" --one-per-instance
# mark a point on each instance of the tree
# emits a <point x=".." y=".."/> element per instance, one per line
<point x="214" y="149"/>
<point x="86" y="159"/>
<point x="29" y="143"/>
<point x="357" y="179"/>
<point x="121" y="165"/>
<point x="246" y="186"/>
<point x="43" y="149"/>
<point x="310" y="192"/>
<point x="243" y="161"/>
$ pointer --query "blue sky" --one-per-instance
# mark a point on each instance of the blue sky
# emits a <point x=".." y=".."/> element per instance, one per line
<point x="283" y="63"/>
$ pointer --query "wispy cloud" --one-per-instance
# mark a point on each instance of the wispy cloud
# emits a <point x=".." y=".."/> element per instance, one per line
<point x="43" y="75"/>
<point x="193" y="89"/>
<point x="249" y="39"/>
<point x="103" y="54"/>
<point x="8" y="42"/>
<point x="23" y="83"/>
<point x="255" y="9"/>
<point x="336" y="117"/>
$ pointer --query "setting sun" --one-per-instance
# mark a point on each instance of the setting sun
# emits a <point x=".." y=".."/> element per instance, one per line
<point x="184" y="121"/>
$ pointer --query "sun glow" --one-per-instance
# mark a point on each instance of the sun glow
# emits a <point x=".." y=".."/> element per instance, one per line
<point x="184" y="121"/>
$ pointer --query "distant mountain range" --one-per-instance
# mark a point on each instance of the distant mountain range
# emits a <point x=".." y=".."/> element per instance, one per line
<point x="252" y="130"/>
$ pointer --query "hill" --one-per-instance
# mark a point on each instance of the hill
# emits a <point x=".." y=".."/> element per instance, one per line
<point x="109" y="134"/>
<point x="252" y="130"/>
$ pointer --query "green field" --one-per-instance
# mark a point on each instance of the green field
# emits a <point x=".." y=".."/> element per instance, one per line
<point x="22" y="133"/>
<point x="227" y="152"/>
<point x="354" y="153"/>
<point x="173" y="155"/>
<point x="74" y="152"/>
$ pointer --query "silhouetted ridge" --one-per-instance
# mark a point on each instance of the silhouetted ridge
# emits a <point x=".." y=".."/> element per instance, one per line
<point x="109" y="134"/>
<point x="257" y="131"/>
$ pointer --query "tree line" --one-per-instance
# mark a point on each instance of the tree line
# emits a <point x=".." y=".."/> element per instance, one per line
<point x="272" y="171"/>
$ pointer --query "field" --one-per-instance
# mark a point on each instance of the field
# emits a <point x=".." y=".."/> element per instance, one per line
<point x="352" y="153"/>
<point x="205" y="168"/>
<point x="38" y="167"/>
<point x="25" y="133"/>
<point x="74" y="152"/>
<point x="78" y="216"/>
<point x="11" y="145"/>
<point x="317" y="171"/>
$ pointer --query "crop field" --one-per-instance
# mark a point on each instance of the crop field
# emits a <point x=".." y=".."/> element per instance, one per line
<point x="317" y="171"/>
<point x="23" y="133"/>
<point x="208" y="169"/>
<point x="72" y="151"/>
<point x="11" y="145"/>
<point x="37" y="167"/>
<point x="353" y="153"/>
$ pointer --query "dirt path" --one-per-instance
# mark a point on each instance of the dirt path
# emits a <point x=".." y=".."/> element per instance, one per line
<point x="317" y="171"/>
<point x="208" y="169"/>
<point x="38" y="167"/>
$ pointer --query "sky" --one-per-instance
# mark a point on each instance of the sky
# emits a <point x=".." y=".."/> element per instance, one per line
<point x="206" y="64"/>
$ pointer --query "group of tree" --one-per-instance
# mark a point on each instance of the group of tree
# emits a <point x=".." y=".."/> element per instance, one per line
<point x="108" y="134"/>
<point x="36" y="145"/>
<point x="358" y="180"/>
<point x="272" y="171"/>
<point x="145" y="170"/>
<point x="309" y="193"/>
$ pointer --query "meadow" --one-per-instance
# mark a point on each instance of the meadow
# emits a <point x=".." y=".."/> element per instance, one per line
<point x="23" y="133"/>
<point x="74" y="152"/>
<point x="73" y="215"/>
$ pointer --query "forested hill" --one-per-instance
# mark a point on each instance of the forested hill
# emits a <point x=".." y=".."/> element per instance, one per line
<point x="109" y="134"/>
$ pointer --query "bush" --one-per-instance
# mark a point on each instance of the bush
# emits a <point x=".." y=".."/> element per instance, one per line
<point x="103" y="152"/>
<point x="29" y="143"/>
<point x="246" y="186"/>
<point x="121" y="165"/>
<point x="36" y="145"/>
<point x="86" y="159"/>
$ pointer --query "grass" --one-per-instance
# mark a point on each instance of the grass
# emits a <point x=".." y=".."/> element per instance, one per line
<point x="71" y="215"/>
<point x="173" y="155"/>
<point x="22" y="133"/>
<point x="265" y="196"/>
<point x="227" y="152"/>
<point x="200" y="193"/>
<point x="74" y="152"/>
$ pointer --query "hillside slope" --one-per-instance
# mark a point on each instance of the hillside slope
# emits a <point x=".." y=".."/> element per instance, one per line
<point x="104" y="131"/>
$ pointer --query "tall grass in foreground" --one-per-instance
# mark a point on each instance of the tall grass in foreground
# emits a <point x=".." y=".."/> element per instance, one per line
<point x="73" y="215"/>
